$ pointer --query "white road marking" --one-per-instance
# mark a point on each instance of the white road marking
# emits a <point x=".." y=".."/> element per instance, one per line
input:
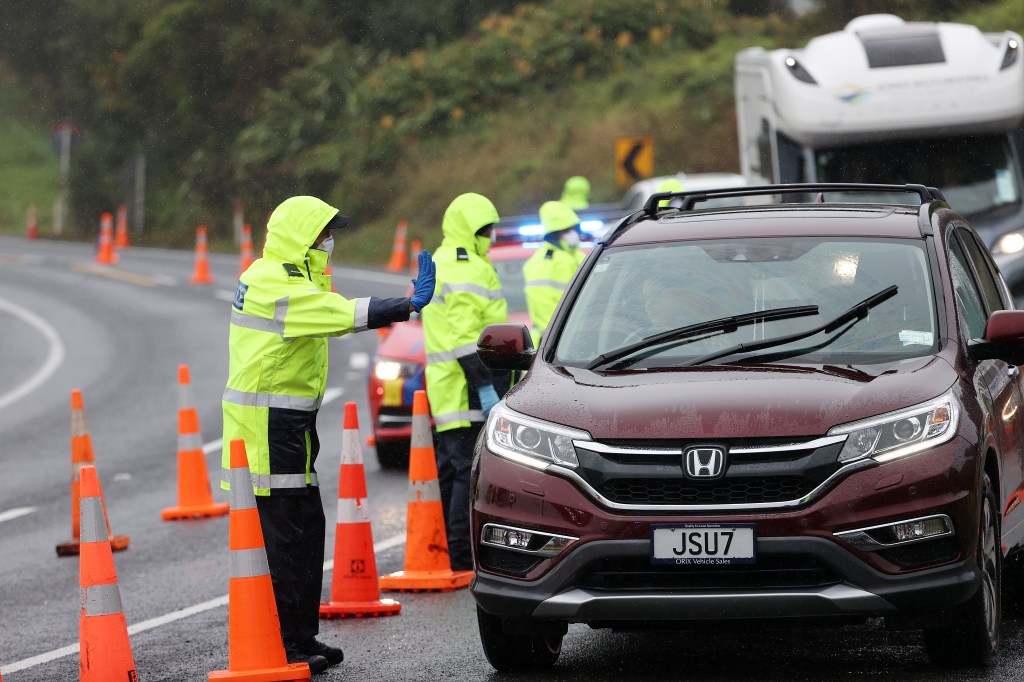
<point x="165" y="280"/>
<point x="359" y="360"/>
<point x="53" y="359"/>
<point x="123" y="477"/>
<point x="168" y="618"/>
<point x="15" y="513"/>
<point x="225" y="295"/>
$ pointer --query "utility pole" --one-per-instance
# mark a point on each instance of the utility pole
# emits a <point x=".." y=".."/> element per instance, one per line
<point x="61" y="217"/>
<point x="139" y="205"/>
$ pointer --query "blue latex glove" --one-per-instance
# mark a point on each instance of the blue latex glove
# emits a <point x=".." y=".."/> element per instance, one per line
<point x="488" y="398"/>
<point x="423" y="285"/>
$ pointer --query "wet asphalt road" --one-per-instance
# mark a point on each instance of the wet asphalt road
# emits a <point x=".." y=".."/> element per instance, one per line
<point x="119" y="335"/>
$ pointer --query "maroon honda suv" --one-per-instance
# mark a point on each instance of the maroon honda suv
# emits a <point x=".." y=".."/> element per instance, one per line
<point x="808" y="409"/>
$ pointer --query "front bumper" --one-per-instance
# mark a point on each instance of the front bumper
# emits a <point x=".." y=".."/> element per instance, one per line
<point x="802" y="571"/>
<point x="862" y="592"/>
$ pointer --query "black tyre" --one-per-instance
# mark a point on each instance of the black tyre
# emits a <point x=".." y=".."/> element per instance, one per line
<point x="393" y="454"/>
<point x="512" y="653"/>
<point x="974" y="635"/>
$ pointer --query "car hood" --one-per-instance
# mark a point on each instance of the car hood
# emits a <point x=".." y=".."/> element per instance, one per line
<point x="762" y="401"/>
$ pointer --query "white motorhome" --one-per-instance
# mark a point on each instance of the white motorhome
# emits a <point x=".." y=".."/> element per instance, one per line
<point x="895" y="102"/>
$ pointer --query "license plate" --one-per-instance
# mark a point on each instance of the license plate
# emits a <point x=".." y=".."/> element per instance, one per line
<point x="703" y="543"/>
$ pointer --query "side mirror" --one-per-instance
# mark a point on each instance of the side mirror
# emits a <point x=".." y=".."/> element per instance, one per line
<point x="1003" y="339"/>
<point x="506" y="346"/>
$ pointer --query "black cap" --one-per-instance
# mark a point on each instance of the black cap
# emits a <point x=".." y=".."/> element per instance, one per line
<point x="337" y="221"/>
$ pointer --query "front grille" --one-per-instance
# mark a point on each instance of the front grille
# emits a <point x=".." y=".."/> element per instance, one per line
<point x="651" y="473"/>
<point x="639" y="574"/>
<point x="725" y="491"/>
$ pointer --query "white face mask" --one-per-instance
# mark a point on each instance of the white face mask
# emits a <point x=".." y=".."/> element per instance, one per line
<point x="327" y="245"/>
<point x="571" y="239"/>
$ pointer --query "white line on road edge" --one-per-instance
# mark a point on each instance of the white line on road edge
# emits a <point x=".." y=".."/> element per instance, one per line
<point x="50" y="365"/>
<point x="167" y="618"/>
<point x="15" y="513"/>
<point x="225" y="295"/>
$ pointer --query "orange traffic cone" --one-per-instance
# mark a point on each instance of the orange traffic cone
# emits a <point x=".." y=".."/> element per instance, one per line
<point x="82" y="455"/>
<point x="31" y="226"/>
<point x="329" y="271"/>
<point x="398" y="254"/>
<point x="194" y="497"/>
<point x="255" y="649"/>
<point x="354" y="589"/>
<point x="426" y="546"/>
<point x="121" y="229"/>
<point x="246" y="258"/>
<point x="106" y="255"/>
<point x="201" y="274"/>
<point x="104" y="650"/>
<point x="414" y="251"/>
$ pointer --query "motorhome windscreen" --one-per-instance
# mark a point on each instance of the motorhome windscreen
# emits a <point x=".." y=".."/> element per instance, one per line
<point x="976" y="174"/>
<point x="635" y="292"/>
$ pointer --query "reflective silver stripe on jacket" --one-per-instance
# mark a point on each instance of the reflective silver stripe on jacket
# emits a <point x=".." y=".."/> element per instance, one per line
<point x="93" y="527"/>
<point x="424" y="491"/>
<point x="362" y="315"/>
<point x="545" y="283"/>
<point x="189" y="441"/>
<point x="249" y="563"/>
<point x="421" y="437"/>
<point x="274" y="326"/>
<point x="288" y="402"/>
<point x="470" y="288"/>
<point x="349" y="511"/>
<point x="458" y="416"/>
<point x="101" y="600"/>
<point x="454" y="354"/>
<point x="266" y="482"/>
<point x="242" y="496"/>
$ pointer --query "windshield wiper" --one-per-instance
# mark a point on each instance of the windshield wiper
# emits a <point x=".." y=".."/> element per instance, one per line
<point x="722" y="324"/>
<point x="855" y="313"/>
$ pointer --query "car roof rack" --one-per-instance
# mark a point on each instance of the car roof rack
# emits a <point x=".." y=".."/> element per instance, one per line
<point x="925" y="193"/>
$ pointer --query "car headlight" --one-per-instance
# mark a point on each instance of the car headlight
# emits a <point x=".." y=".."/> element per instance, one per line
<point x="530" y="441"/>
<point x="903" y="433"/>
<point x="387" y="370"/>
<point x="1011" y="242"/>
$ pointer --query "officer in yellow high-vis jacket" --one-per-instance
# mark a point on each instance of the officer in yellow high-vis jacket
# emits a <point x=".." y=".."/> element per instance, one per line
<point x="461" y="390"/>
<point x="282" y="314"/>
<point x="548" y="271"/>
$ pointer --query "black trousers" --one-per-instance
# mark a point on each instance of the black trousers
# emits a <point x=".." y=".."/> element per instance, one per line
<point x="293" y="532"/>
<point x="454" y="451"/>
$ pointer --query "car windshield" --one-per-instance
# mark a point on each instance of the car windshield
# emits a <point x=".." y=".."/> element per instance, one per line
<point x="635" y="292"/>
<point x="976" y="174"/>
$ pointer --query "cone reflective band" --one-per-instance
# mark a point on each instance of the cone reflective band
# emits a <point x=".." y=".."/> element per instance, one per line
<point x="201" y="274"/>
<point x="194" y="497"/>
<point x="427" y="566"/>
<point x="354" y="588"/>
<point x="255" y="650"/>
<point x="82" y="455"/>
<point x="104" y="650"/>
<point x="105" y="254"/>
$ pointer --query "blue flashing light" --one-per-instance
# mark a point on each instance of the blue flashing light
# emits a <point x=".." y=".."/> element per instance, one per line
<point x="592" y="226"/>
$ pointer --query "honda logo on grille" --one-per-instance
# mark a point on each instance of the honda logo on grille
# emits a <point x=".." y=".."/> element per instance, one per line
<point x="704" y="462"/>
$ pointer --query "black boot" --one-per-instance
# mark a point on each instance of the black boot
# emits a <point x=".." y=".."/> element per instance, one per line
<point x="317" y="663"/>
<point x="332" y="654"/>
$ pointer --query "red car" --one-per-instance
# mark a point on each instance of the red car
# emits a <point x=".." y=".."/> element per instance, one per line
<point x="397" y="370"/>
<point x="792" y="412"/>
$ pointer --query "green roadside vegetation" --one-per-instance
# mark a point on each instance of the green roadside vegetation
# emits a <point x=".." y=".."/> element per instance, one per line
<point x="510" y="108"/>
<point x="29" y="169"/>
